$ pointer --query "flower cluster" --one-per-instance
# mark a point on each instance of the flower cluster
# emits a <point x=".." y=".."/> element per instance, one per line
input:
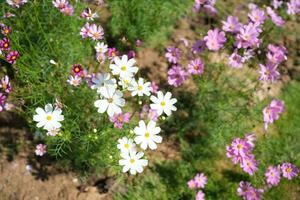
<point x="198" y="182"/>
<point x="178" y="74"/>
<point x="208" y="5"/>
<point x="240" y="151"/>
<point x="5" y="89"/>
<point x="16" y="3"/>
<point x="64" y="6"/>
<point x="11" y="56"/>
<point x="272" y="112"/>
<point x="248" y="192"/>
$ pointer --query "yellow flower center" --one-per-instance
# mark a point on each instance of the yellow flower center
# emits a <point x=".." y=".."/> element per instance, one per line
<point x="49" y="117"/>
<point x="110" y="100"/>
<point x="126" y="146"/>
<point x="288" y="170"/>
<point x="140" y="88"/>
<point x="147" y="135"/>
<point x="163" y="103"/>
<point x="13" y="58"/>
<point x="5" y="45"/>
<point x="239" y="146"/>
<point x="123" y="68"/>
<point x="132" y="161"/>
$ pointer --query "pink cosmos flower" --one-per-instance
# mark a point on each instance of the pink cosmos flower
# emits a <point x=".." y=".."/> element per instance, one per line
<point x="200" y="180"/>
<point x="268" y="72"/>
<point x="176" y="75"/>
<point x="68" y="10"/>
<point x="196" y="66"/>
<point x="257" y="16"/>
<point x="2" y="101"/>
<point x="198" y="47"/>
<point x="5" y="84"/>
<point x="215" y="39"/>
<point x="154" y="87"/>
<point x="200" y="195"/>
<point x="250" y="139"/>
<point x="131" y="54"/>
<point x="293" y="7"/>
<point x="235" y="60"/>
<point x="5" y="44"/>
<point x="276" y="54"/>
<point x="74" y="80"/>
<point x="249" y="165"/>
<point x="276" y="4"/>
<point x="84" y="32"/>
<point x="60" y="4"/>
<point x="248" y="36"/>
<point x="88" y="14"/>
<point x="40" y="149"/>
<point x="232" y="25"/>
<point x="253" y="194"/>
<point x="289" y="170"/>
<point x="16" y="3"/>
<point x="191" y="184"/>
<point x="77" y="70"/>
<point x="120" y="119"/>
<point x="243" y="188"/>
<point x="273" y="175"/>
<point x="101" y="57"/>
<point x="96" y="32"/>
<point x="271" y="112"/>
<point x="12" y="57"/>
<point x="276" y="19"/>
<point x="173" y="54"/>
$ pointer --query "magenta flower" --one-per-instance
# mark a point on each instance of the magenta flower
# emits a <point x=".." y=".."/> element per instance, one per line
<point x="176" y="76"/>
<point x="272" y="111"/>
<point x="191" y="184"/>
<point x="293" y="7"/>
<point x="120" y="119"/>
<point x="5" y="30"/>
<point x="68" y="10"/>
<point x="276" y="19"/>
<point x="248" y="36"/>
<point x="240" y="147"/>
<point x="112" y="52"/>
<point x="5" y="44"/>
<point x="289" y="170"/>
<point x="200" y="180"/>
<point x="257" y="16"/>
<point x="200" y="195"/>
<point x="40" y="149"/>
<point x="77" y="70"/>
<point x="276" y="54"/>
<point x="215" y="39"/>
<point x="2" y="101"/>
<point x="154" y="87"/>
<point x="131" y="54"/>
<point x="12" y="57"/>
<point x="268" y="72"/>
<point x="198" y="47"/>
<point x="96" y="32"/>
<point x="253" y="194"/>
<point x="196" y="66"/>
<point x="173" y="54"/>
<point x="235" y="60"/>
<point x="5" y="84"/>
<point x="273" y="175"/>
<point x="232" y="25"/>
<point x="249" y="164"/>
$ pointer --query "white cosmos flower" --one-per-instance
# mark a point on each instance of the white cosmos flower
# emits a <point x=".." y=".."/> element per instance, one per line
<point x="126" y="82"/>
<point x="147" y="136"/>
<point x="132" y="162"/>
<point x="125" y="144"/>
<point x="112" y="101"/>
<point x="101" y="47"/>
<point x="123" y="67"/>
<point x="140" y="88"/>
<point x="74" y="80"/>
<point x="102" y="80"/>
<point x="49" y="118"/>
<point x="163" y="103"/>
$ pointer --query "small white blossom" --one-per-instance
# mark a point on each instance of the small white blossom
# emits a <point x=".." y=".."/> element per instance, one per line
<point x="48" y="118"/>
<point x="123" y="67"/>
<point x="140" y="88"/>
<point x="163" y="103"/>
<point x="133" y="162"/>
